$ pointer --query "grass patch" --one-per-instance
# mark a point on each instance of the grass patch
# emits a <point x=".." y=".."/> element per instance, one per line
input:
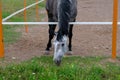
<point x="10" y="34"/>
<point x="11" y="6"/>
<point x="72" y="68"/>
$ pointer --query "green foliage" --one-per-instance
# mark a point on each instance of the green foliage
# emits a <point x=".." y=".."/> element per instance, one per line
<point x="72" y="68"/>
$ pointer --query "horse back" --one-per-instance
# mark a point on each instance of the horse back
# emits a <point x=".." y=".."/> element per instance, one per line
<point x="52" y="9"/>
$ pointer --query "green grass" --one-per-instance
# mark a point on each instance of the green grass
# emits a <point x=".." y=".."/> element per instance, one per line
<point x="9" y="7"/>
<point x="10" y="35"/>
<point x="72" y="68"/>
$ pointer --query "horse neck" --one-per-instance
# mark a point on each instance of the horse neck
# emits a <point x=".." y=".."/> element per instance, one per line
<point x="63" y="18"/>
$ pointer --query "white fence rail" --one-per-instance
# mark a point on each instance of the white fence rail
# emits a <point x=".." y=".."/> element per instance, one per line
<point x="45" y="23"/>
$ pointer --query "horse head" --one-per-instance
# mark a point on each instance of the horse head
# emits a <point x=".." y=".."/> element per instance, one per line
<point x="60" y="48"/>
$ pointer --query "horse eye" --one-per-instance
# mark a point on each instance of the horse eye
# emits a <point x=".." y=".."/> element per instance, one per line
<point x="63" y="45"/>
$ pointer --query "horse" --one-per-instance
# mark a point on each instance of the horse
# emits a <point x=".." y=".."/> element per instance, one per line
<point x="63" y="12"/>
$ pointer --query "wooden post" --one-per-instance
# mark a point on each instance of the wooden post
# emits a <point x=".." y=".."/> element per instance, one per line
<point x="1" y="33"/>
<point x="37" y="11"/>
<point x="25" y="17"/>
<point x="114" y="25"/>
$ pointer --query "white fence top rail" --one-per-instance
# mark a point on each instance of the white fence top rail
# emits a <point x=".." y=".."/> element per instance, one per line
<point x="46" y="23"/>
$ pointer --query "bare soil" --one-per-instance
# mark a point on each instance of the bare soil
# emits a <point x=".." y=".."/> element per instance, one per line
<point x="88" y="40"/>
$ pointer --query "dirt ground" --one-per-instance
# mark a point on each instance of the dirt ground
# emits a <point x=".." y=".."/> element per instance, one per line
<point x="88" y="40"/>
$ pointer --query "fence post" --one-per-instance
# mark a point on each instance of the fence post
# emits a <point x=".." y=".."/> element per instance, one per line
<point x="25" y="17"/>
<point x="114" y="29"/>
<point x="37" y="11"/>
<point x="1" y="33"/>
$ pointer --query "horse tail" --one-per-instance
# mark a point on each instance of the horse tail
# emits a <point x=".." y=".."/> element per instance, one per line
<point x="63" y="17"/>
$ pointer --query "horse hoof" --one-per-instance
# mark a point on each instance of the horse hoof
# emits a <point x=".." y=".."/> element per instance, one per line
<point x="69" y="53"/>
<point x="47" y="52"/>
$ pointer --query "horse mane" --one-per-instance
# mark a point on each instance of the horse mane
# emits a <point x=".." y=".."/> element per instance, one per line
<point x="64" y="9"/>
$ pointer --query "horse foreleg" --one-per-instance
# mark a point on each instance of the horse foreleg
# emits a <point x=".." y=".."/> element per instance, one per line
<point x="70" y="38"/>
<point x="51" y="35"/>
